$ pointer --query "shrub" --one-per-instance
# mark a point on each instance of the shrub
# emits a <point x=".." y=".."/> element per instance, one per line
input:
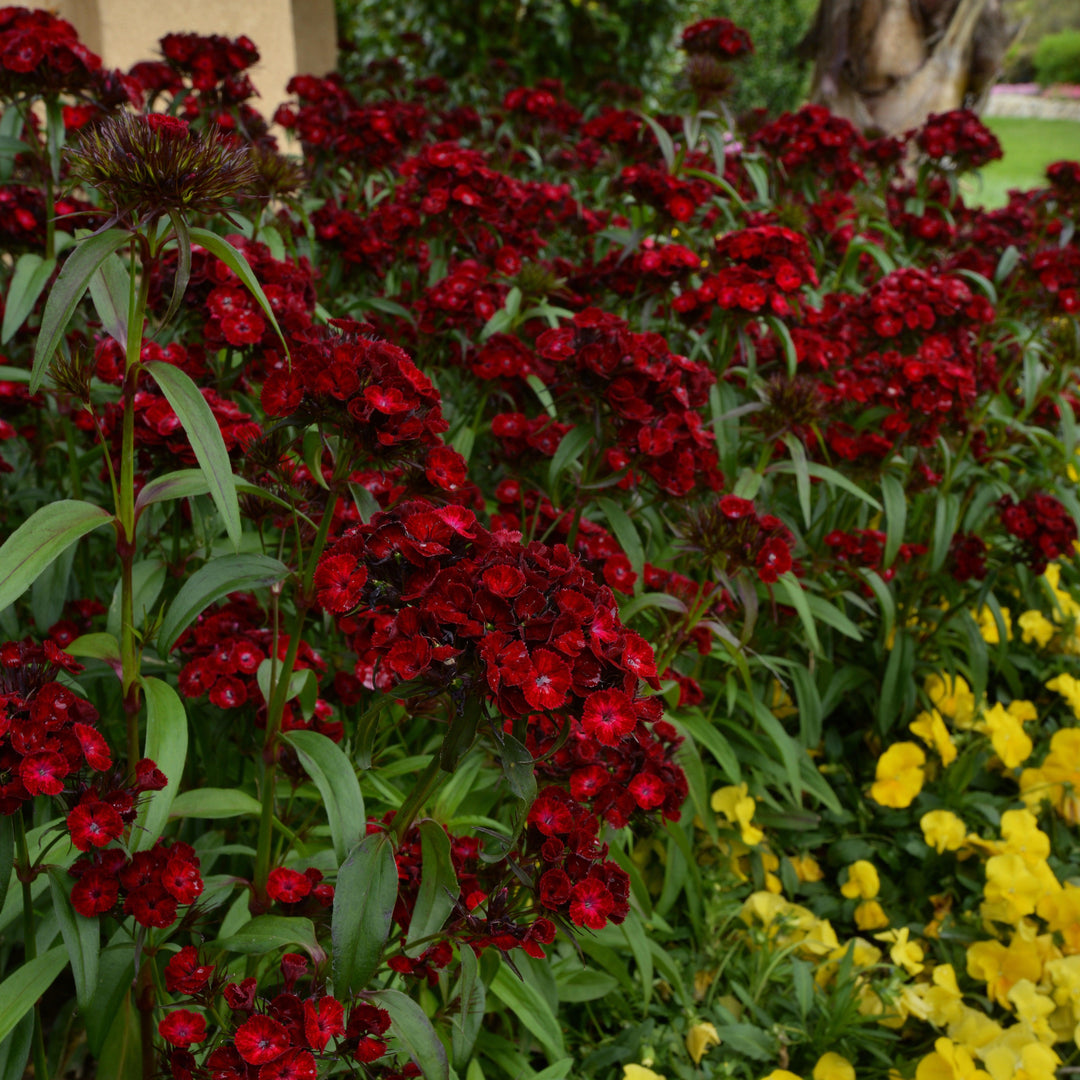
<point x="1057" y="58"/>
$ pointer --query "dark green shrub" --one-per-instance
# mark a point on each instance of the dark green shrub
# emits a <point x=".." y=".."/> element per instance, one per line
<point x="1057" y="58"/>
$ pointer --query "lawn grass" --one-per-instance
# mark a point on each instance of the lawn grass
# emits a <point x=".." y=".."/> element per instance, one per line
<point x="1029" y="146"/>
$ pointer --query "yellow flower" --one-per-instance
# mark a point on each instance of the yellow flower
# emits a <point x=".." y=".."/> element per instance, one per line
<point x="899" y="775"/>
<point x="832" y="1066"/>
<point x="1036" y="628"/>
<point x="1059" y="777"/>
<point x="1014" y="887"/>
<point x="949" y="1062"/>
<point x="953" y="698"/>
<point x="1022" y="836"/>
<point x="782" y="706"/>
<point x="1033" y="1062"/>
<point x="870" y="915"/>
<point x="1062" y="914"/>
<point x="863" y="882"/>
<point x="1011" y="743"/>
<point x="942" y="997"/>
<point x="904" y="953"/>
<point x="738" y="807"/>
<point x="943" y="830"/>
<point x="769" y="864"/>
<point x="807" y="868"/>
<point x="930" y="727"/>
<point x="988" y="626"/>
<point x="1068" y="686"/>
<point x="639" y="1072"/>
<point x="1023" y="710"/>
<point x="1002" y="967"/>
<point x="1033" y="1009"/>
<point x="1069" y="607"/>
<point x="973" y="1028"/>
<point x="698" y="1040"/>
<point x="782" y="1074"/>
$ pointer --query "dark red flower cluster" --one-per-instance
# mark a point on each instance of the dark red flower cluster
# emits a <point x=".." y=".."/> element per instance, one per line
<point x="224" y="648"/>
<point x="759" y="270"/>
<point x="1064" y="177"/>
<point x="1058" y="272"/>
<point x="811" y="144"/>
<point x="209" y="60"/>
<point x="543" y="105"/>
<point x="734" y="536"/>
<point x="1045" y="529"/>
<point x="654" y="186"/>
<point x="372" y="242"/>
<point x="651" y="269"/>
<point x="105" y="810"/>
<point x="295" y="887"/>
<point x="960" y="138"/>
<point x="909" y="345"/>
<point x="967" y="557"/>
<point x="866" y="548"/>
<point x="348" y="378"/>
<point x="619" y="127"/>
<point x="149" y="886"/>
<point x="47" y="732"/>
<point x="462" y="300"/>
<point x="716" y="37"/>
<point x="651" y="398"/>
<point x="927" y="212"/>
<point x="282" y="1037"/>
<point x="22" y="217"/>
<point x="40" y="53"/>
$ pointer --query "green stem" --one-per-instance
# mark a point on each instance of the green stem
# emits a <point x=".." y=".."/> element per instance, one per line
<point x="41" y="1065"/>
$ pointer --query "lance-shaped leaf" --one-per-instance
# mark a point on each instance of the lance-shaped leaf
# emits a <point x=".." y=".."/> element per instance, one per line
<point x="266" y="933"/>
<point x="217" y="578"/>
<point x="531" y="1009"/>
<point x="412" y="1028"/>
<point x="211" y="803"/>
<point x="235" y="261"/>
<point x="166" y="746"/>
<point x="438" y="888"/>
<point x="203" y="433"/>
<point x="32" y="274"/>
<point x="75" y="275"/>
<point x="470" y="1013"/>
<point x="109" y="289"/>
<point x="364" y="900"/>
<point x="82" y="937"/>
<point x="26" y="984"/>
<point x="333" y="774"/>
<point x="40" y="539"/>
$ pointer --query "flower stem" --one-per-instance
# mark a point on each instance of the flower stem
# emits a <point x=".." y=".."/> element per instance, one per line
<point x="41" y="1065"/>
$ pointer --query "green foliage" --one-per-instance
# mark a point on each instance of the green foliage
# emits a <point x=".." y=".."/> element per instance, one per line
<point x="1057" y="58"/>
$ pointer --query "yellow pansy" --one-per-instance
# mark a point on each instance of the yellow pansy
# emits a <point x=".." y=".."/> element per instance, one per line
<point x="1033" y="1008"/>
<point x="1069" y="607"/>
<point x="899" y="776"/>
<point x="1062" y="914"/>
<point x="1014" y="887"/>
<point x="952" y="697"/>
<point x="699" y="1038"/>
<point x="903" y="952"/>
<point x="1011" y="743"/>
<point x="770" y="863"/>
<point x="1058" y="779"/>
<point x="807" y="868"/>
<point x="943" y="830"/>
<point x="1064" y="976"/>
<point x="1001" y="967"/>
<point x="738" y="806"/>
<point x="988" y="625"/>
<point x="863" y="882"/>
<point x="1068" y="686"/>
<point x="832" y="1066"/>
<point x="949" y="1062"/>
<point x="930" y="727"/>
<point x="1035" y="627"/>
<point x="1023" y="710"/>
<point x="1022" y="836"/>
<point x="640" y="1072"/>
<point x="973" y="1028"/>
<point x="782" y="1074"/>
<point x="870" y="915"/>
<point x="942" y="996"/>
<point x="1034" y="1061"/>
<point x="782" y="706"/>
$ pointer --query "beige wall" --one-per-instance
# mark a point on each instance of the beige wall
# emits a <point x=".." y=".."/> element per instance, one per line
<point x="293" y="36"/>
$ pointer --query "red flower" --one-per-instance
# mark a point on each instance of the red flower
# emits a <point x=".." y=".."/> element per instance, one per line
<point x="323" y="1021"/>
<point x="591" y="903"/>
<point x="773" y="560"/>
<point x="182" y="880"/>
<point x="182" y="1028"/>
<point x="287" y="886"/>
<point x="260" y="1040"/>
<point x="184" y="974"/>
<point x="647" y="790"/>
<point x="608" y="715"/>
<point x="43" y="773"/>
<point x="546" y="686"/>
<point x="95" y="749"/>
<point x="94" y="893"/>
<point x="339" y="581"/>
<point x="295" y="1064"/>
<point x="94" y="824"/>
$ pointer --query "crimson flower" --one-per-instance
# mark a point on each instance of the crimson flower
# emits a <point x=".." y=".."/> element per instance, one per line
<point x="182" y="1028"/>
<point x="608" y="715"/>
<point x="288" y="886"/>
<point x="184" y="974"/>
<point x="591" y="903"/>
<point x="93" y="824"/>
<point x="261" y="1040"/>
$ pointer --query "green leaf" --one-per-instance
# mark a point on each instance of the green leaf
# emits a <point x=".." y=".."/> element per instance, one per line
<point x="96" y="647"/>
<point x="892" y="495"/>
<point x="797" y="598"/>
<point x="182" y="484"/>
<point x="883" y="595"/>
<point x="183" y="264"/>
<point x="1006" y="264"/>
<point x="333" y="774"/>
<point x="830" y="476"/>
<point x="470" y="1013"/>
<point x="147" y="580"/>
<point x="570" y="448"/>
<point x="212" y="581"/>
<point x="42" y="537"/>
<point x="438" y="888"/>
<point x="15" y="1049"/>
<point x="121" y="1054"/>
<point x="709" y="736"/>
<point x="212" y="804"/>
<point x="543" y="393"/>
<point x="412" y="1028"/>
<point x="82" y="937"/>
<point x="585" y="984"/>
<point x="166" y="746"/>
<point x="946" y="513"/>
<point x="66" y="293"/>
<point x="650" y="600"/>
<point x="32" y="274"/>
<point x="109" y="289"/>
<point x="7" y="855"/>
<point x="633" y="930"/>
<point x="663" y="139"/>
<point x="518" y="767"/>
<point x="220" y="248"/>
<point x="531" y="1009"/>
<point x="205" y="437"/>
<point x="831" y="615"/>
<point x="267" y="933"/>
<point x="625" y="533"/>
<point x="802" y="474"/>
<point x="26" y="984"/>
<point x="364" y="900"/>
<point x="787" y="344"/>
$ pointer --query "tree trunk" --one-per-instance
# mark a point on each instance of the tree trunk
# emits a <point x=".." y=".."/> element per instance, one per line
<point x="888" y="64"/>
